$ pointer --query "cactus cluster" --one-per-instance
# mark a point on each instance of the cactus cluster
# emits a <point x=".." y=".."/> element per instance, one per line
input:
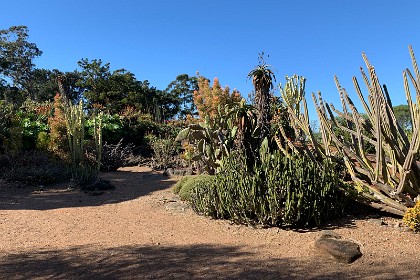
<point x="75" y="125"/>
<point x="213" y="138"/>
<point x="388" y="180"/>
<point x="74" y="118"/>
<point x="280" y="191"/>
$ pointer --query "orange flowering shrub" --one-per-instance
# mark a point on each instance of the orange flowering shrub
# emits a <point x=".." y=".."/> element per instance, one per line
<point x="58" y="132"/>
<point x="207" y="98"/>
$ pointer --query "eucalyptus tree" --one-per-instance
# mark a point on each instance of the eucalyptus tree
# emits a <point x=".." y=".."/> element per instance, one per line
<point x="16" y="57"/>
<point x="181" y="90"/>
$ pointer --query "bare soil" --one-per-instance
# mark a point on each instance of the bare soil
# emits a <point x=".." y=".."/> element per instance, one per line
<point x="141" y="230"/>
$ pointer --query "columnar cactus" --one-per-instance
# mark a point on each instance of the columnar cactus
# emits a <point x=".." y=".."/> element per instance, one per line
<point x="388" y="180"/>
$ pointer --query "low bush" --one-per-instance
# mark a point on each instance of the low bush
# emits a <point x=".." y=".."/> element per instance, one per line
<point x="34" y="167"/>
<point x="279" y="191"/>
<point x="115" y="156"/>
<point x="412" y="217"/>
<point x="165" y="153"/>
<point x="181" y="182"/>
<point x="189" y="184"/>
<point x="193" y="183"/>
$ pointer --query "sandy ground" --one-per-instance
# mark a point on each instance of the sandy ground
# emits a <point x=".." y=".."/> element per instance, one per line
<point x="140" y="231"/>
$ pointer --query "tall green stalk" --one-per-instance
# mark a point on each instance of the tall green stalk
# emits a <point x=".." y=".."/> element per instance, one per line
<point x="75" y="123"/>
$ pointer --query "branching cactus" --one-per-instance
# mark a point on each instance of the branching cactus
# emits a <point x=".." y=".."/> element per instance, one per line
<point x="75" y="119"/>
<point x="388" y="180"/>
<point x="97" y="136"/>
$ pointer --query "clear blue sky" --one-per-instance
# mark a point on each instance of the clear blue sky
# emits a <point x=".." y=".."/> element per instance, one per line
<point x="160" y="39"/>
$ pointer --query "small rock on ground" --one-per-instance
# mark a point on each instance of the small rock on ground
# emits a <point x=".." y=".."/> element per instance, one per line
<point x="344" y="251"/>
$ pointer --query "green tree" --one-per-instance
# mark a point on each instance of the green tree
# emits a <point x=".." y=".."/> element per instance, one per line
<point x="115" y="91"/>
<point x="16" y="57"/>
<point x="403" y="116"/>
<point x="44" y="84"/>
<point x="181" y="90"/>
<point x="105" y="89"/>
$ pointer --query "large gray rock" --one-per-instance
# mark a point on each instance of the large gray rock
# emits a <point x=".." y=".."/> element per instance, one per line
<point x="344" y="251"/>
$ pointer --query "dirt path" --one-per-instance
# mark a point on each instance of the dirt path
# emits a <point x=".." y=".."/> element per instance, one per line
<point x="140" y="231"/>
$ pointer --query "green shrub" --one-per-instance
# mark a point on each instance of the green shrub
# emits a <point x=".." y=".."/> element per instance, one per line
<point x="277" y="192"/>
<point x="180" y="183"/>
<point x="188" y="184"/>
<point x="194" y="182"/>
<point x="43" y="141"/>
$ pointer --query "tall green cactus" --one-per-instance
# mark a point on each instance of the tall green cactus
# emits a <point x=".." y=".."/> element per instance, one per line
<point x="388" y="180"/>
<point x="97" y="136"/>
<point x="75" y="123"/>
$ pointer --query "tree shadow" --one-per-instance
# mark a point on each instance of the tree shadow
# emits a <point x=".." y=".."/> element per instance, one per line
<point x="128" y="184"/>
<point x="185" y="262"/>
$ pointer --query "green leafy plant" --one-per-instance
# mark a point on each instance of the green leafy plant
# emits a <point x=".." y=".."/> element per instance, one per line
<point x="214" y="138"/>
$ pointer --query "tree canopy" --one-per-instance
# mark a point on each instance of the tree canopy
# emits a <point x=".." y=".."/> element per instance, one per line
<point x="16" y="56"/>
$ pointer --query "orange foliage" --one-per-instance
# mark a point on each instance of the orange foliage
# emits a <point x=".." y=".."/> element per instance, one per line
<point x="58" y="136"/>
<point x="207" y="98"/>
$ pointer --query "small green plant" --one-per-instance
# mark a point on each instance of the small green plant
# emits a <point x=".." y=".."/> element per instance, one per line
<point x="412" y="217"/>
<point x="181" y="182"/>
<point x="192" y="183"/>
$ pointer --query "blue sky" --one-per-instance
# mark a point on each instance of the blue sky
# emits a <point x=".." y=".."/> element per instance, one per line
<point x="160" y="39"/>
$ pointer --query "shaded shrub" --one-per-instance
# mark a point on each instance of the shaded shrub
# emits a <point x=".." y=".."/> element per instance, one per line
<point x="165" y="153"/>
<point x="277" y="192"/>
<point x="10" y="129"/>
<point x="115" y="156"/>
<point x="96" y="187"/>
<point x="35" y="167"/>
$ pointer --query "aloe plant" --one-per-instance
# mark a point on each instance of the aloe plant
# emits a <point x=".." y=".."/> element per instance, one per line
<point x="388" y="180"/>
<point x="262" y="78"/>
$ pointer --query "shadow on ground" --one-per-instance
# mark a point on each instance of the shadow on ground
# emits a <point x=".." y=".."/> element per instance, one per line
<point x="185" y="262"/>
<point x="128" y="185"/>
